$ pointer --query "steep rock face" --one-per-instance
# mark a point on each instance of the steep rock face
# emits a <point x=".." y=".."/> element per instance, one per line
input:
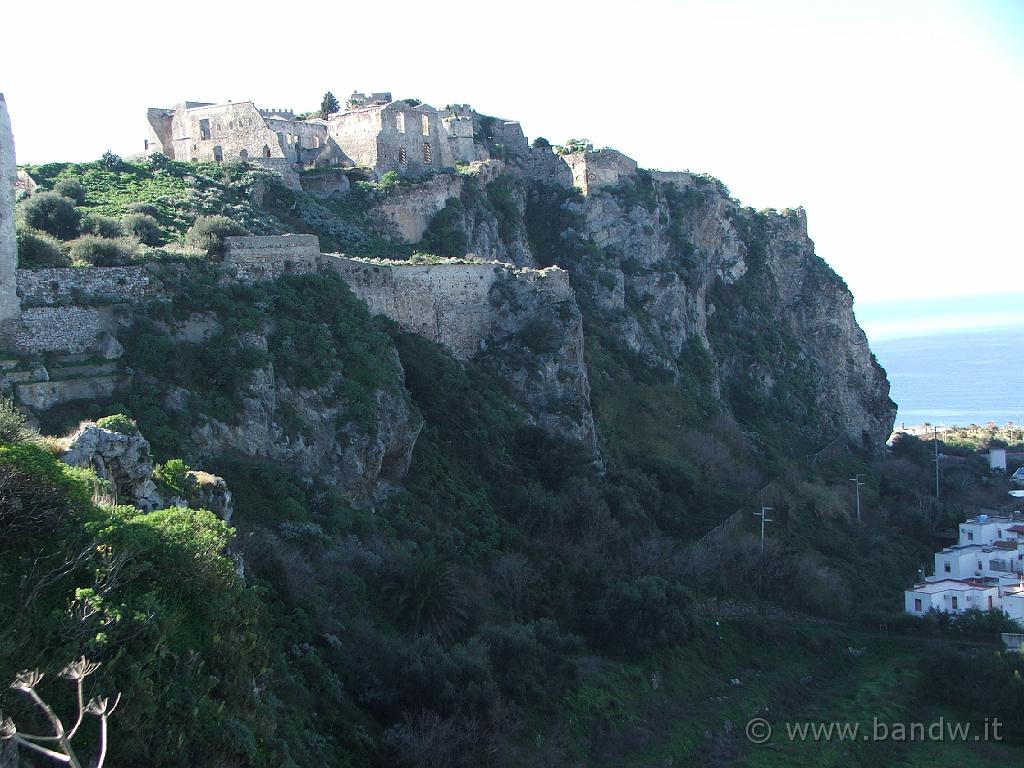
<point x="536" y="343"/>
<point x="313" y="431"/>
<point x="670" y="254"/>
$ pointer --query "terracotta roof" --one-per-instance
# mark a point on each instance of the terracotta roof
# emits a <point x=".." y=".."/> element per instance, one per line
<point x="1015" y="529"/>
<point x="1005" y="545"/>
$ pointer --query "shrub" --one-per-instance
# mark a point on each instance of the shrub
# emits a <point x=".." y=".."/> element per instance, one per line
<point x="147" y="208"/>
<point x="119" y="422"/>
<point x="540" y="141"/>
<point x="102" y="252"/>
<point x="445" y="236"/>
<point x="144" y="227"/>
<point x="101" y="226"/>
<point x="158" y="160"/>
<point x="37" y="249"/>
<point x="12" y="423"/>
<point x="71" y="188"/>
<point x="52" y="213"/>
<point x="208" y="233"/>
<point x="110" y="160"/>
<point x="173" y="476"/>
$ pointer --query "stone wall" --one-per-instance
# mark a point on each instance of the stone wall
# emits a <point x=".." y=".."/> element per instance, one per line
<point x="88" y="285"/>
<point x="268" y="257"/>
<point x="9" y="306"/>
<point x="446" y="303"/>
<point x="593" y="170"/>
<point x="70" y="330"/>
<point x="542" y="164"/>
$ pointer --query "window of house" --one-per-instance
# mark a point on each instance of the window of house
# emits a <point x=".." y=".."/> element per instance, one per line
<point x="218" y="154"/>
<point x="953" y="602"/>
<point x="243" y="154"/>
<point x="426" y="125"/>
<point x="402" y="157"/>
<point x="266" y="151"/>
<point x="400" y="122"/>
<point x="970" y="535"/>
<point x="426" y="152"/>
<point x="946" y="567"/>
<point x="979" y="565"/>
<point x="917" y="605"/>
<point x="204" y="130"/>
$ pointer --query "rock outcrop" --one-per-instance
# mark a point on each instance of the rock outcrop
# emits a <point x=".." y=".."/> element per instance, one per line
<point x="123" y="460"/>
<point x="672" y="250"/>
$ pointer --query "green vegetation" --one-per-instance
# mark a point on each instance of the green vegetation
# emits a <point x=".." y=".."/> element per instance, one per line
<point x="38" y="249"/>
<point x="52" y="213"/>
<point x="102" y="252"/>
<point x="512" y="603"/>
<point x="446" y="235"/>
<point x="208" y="232"/>
<point x="118" y="422"/>
<point x="329" y="105"/>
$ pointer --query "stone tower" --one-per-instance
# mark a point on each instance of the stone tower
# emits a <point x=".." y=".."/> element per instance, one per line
<point x="10" y="307"/>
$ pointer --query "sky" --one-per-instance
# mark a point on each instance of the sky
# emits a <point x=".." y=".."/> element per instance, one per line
<point x="897" y="124"/>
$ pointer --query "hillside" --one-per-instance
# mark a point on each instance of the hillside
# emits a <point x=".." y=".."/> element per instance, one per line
<point x="497" y="525"/>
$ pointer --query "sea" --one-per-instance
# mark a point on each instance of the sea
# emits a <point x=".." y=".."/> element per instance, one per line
<point x="958" y="377"/>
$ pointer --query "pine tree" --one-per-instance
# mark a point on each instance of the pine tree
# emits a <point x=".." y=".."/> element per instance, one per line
<point x="328" y="105"/>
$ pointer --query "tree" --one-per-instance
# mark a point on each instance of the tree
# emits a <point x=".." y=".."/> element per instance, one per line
<point x="328" y="105"/>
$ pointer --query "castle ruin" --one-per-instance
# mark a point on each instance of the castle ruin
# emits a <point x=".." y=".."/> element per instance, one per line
<point x="373" y="132"/>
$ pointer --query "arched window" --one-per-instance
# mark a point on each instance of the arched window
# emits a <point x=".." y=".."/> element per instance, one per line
<point x="244" y="154"/>
<point x="266" y="151"/>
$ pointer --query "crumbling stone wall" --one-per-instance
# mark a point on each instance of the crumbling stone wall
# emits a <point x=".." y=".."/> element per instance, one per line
<point x="446" y="303"/>
<point x="393" y="137"/>
<point x="9" y="305"/>
<point x="594" y="169"/>
<point x="268" y="257"/>
<point x="70" y="330"/>
<point x="66" y="286"/>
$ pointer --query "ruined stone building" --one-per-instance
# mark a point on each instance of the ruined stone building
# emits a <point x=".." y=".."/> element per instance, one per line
<point x="372" y="132"/>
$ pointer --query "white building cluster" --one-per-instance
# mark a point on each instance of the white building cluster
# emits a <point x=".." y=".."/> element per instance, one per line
<point x="984" y="570"/>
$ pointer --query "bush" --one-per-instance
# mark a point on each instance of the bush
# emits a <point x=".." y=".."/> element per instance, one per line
<point x="144" y="227"/>
<point x="101" y="226"/>
<point x="119" y="422"/>
<point x="37" y="249"/>
<point x="147" y="208"/>
<point x="159" y="161"/>
<point x="173" y="476"/>
<point x="12" y="423"/>
<point x="208" y="233"/>
<point x="445" y="236"/>
<point x="102" y="252"/>
<point x="70" y="188"/>
<point x="52" y="213"/>
<point x="110" y="160"/>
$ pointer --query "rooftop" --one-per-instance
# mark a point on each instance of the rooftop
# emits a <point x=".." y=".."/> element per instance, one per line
<point x="944" y="585"/>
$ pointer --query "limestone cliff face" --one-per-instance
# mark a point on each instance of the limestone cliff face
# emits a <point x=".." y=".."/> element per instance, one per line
<point x="309" y="429"/>
<point x="679" y="262"/>
<point x="524" y="322"/>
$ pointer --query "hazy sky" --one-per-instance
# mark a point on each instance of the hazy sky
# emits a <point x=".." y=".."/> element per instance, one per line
<point x="897" y="124"/>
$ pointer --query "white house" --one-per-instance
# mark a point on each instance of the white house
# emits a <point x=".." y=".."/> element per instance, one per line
<point x="985" y="570"/>
<point x="952" y="596"/>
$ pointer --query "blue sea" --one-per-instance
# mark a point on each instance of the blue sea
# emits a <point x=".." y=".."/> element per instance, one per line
<point x="958" y="377"/>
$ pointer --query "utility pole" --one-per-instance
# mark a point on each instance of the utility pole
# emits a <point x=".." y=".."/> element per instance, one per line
<point x="935" y="434"/>
<point x="857" y="484"/>
<point x="763" y="514"/>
